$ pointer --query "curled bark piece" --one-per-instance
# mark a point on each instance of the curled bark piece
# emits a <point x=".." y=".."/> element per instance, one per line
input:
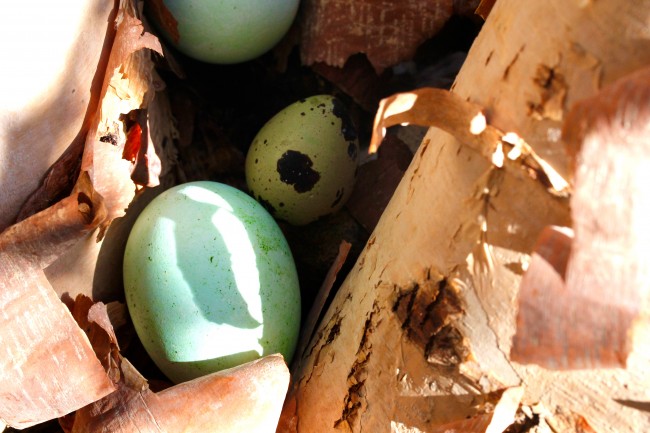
<point x="127" y="81"/>
<point x="247" y="398"/>
<point x="582" y="317"/>
<point x="50" y="86"/>
<point x="45" y="236"/>
<point x="47" y="365"/>
<point x="466" y="121"/>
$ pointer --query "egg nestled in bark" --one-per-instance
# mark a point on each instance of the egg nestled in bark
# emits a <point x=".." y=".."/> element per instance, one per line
<point x="302" y="164"/>
<point x="210" y="281"/>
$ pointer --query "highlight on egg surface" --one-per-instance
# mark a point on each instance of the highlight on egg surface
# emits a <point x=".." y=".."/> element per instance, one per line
<point x="223" y="31"/>
<point x="210" y="281"/>
<point x="302" y="164"/>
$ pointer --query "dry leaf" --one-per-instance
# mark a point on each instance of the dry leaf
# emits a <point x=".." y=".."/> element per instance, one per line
<point x="580" y="296"/>
<point x="386" y="32"/>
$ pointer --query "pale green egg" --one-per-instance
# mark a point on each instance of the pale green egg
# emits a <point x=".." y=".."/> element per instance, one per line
<point x="210" y="281"/>
<point x="302" y="164"/>
<point x="224" y="31"/>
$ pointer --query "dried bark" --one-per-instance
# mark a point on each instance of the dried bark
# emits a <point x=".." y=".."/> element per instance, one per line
<point x="418" y="336"/>
<point x="50" y="85"/>
<point x="47" y="365"/>
<point x="245" y="398"/>
<point x="583" y="292"/>
<point x="387" y="32"/>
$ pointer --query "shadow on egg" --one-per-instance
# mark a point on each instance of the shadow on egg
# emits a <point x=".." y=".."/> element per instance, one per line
<point x="239" y="299"/>
<point x="221" y="302"/>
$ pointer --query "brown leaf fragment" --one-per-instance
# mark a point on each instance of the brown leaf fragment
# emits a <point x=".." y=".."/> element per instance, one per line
<point x="466" y="7"/>
<point x="162" y="15"/>
<point x="288" y="417"/>
<point x="321" y="297"/>
<point x="585" y="319"/>
<point x="93" y="318"/>
<point x="387" y="32"/>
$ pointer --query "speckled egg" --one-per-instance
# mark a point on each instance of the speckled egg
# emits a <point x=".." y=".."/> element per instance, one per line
<point x="302" y="164"/>
<point x="210" y="281"/>
<point x="223" y="31"/>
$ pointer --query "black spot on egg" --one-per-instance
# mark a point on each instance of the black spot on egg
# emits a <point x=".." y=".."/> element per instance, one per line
<point x="295" y="168"/>
<point x="339" y="196"/>
<point x="347" y="126"/>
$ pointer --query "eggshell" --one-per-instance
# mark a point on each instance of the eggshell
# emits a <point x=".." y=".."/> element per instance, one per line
<point x="302" y="164"/>
<point x="224" y="31"/>
<point x="210" y="281"/>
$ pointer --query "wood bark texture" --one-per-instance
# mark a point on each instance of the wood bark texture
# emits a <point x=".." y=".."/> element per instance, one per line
<point x="418" y="336"/>
<point x="49" y="86"/>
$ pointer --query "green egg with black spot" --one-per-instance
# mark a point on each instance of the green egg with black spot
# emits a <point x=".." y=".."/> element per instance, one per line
<point x="302" y="164"/>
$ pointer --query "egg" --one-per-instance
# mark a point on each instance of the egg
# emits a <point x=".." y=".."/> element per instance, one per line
<point x="223" y="31"/>
<point x="210" y="281"/>
<point x="302" y="164"/>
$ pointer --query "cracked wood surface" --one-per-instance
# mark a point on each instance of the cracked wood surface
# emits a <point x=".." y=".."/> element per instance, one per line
<point x="455" y="217"/>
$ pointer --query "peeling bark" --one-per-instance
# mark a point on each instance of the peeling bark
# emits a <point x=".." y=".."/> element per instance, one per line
<point x="458" y="218"/>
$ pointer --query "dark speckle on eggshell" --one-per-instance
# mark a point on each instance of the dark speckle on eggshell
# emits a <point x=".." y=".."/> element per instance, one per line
<point x="295" y="168"/>
<point x="347" y="127"/>
<point x="339" y="196"/>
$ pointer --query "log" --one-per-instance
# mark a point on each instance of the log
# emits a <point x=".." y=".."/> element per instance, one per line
<point x="418" y="336"/>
